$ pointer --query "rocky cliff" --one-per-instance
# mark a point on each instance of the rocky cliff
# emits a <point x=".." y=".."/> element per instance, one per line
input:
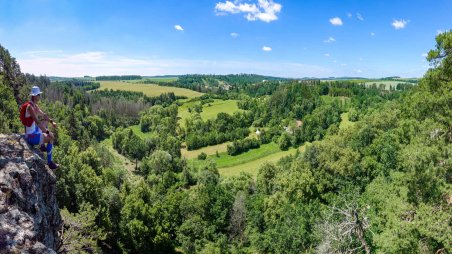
<point x="29" y="214"/>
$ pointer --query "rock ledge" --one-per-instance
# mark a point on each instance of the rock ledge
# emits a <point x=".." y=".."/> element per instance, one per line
<point x="29" y="215"/>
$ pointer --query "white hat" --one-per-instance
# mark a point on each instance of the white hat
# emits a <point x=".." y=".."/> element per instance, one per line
<point x="35" y="91"/>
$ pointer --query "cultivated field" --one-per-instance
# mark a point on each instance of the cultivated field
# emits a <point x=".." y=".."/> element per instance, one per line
<point x="156" y="79"/>
<point x="386" y="83"/>
<point x="147" y="89"/>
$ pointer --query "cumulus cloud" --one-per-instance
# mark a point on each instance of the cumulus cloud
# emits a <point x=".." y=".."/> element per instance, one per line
<point x="359" y="16"/>
<point x="329" y="40"/>
<point x="358" y="71"/>
<point x="264" y="10"/>
<point x="265" y="48"/>
<point x="349" y="15"/>
<point x="372" y="34"/>
<point x="336" y="21"/>
<point x="327" y="54"/>
<point x="178" y="27"/>
<point x="234" y="35"/>
<point x="399" y="24"/>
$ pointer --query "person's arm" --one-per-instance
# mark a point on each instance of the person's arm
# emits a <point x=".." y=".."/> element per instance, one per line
<point x="40" y="112"/>
<point x="46" y="117"/>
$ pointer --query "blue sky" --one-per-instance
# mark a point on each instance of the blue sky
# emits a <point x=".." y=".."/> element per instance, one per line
<point x="283" y="38"/>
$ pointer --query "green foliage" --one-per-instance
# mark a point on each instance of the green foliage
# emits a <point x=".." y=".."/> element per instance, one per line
<point x="80" y="232"/>
<point x="284" y="141"/>
<point x="241" y="146"/>
<point x="9" y="113"/>
<point x="394" y="161"/>
<point x="202" y="156"/>
<point x="224" y="128"/>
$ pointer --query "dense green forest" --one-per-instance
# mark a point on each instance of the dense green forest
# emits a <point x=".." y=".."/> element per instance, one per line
<point x="382" y="185"/>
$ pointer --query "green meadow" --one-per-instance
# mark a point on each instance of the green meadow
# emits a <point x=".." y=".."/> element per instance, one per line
<point x="209" y="110"/>
<point x="248" y="162"/>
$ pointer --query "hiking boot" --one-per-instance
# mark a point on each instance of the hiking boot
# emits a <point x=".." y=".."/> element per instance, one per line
<point x="53" y="165"/>
<point x="43" y="148"/>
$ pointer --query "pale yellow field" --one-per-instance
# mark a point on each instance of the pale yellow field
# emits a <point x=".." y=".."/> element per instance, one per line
<point x="209" y="150"/>
<point x="147" y="89"/>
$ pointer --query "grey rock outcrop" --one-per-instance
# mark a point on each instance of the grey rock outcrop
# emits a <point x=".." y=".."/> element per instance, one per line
<point x="29" y="214"/>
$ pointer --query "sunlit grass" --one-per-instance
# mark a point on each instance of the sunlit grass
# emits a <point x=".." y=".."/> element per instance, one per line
<point x="147" y="89"/>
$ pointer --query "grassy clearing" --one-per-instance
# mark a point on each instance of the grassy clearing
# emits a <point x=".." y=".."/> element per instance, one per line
<point x="209" y="110"/>
<point x="209" y="150"/>
<point x="345" y="122"/>
<point x="248" y="162"/>
<point x="252" y="167"/>
<point x="137" y="130"/>
<point x="147" y="89"/>
<point x="226" y="160"/>
<point x="120" y="160"/>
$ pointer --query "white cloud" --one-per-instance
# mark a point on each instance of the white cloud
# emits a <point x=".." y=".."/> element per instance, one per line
<point x="343" y="64"/>
<point x="359" y="16"/>
<point x="399" y="24"/>
<point x="327" y="54"/>
<point x="424" y="55"/>
<point x="349" y="15"/>
<point x="40" y="52"/>
<point x="336" y="21"/>
<point x="178" y="27"/>
<point x="104" y="63"/>
<point x="372" y="34"/>
<point x="265" y="10"/>
<point x="439" y="31"/>
<point x="234" y="35"/>
<point x="265" y="48"/>
<point x="329" y="40"/>
<point x="358" y="71"/>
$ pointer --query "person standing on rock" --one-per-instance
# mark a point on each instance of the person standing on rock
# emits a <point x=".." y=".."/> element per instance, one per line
<point x="36" y="122"/>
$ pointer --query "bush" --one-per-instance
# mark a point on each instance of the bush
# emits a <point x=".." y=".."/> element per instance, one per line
<point x="241" y="146"/>
<point x="202" y="156"/>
